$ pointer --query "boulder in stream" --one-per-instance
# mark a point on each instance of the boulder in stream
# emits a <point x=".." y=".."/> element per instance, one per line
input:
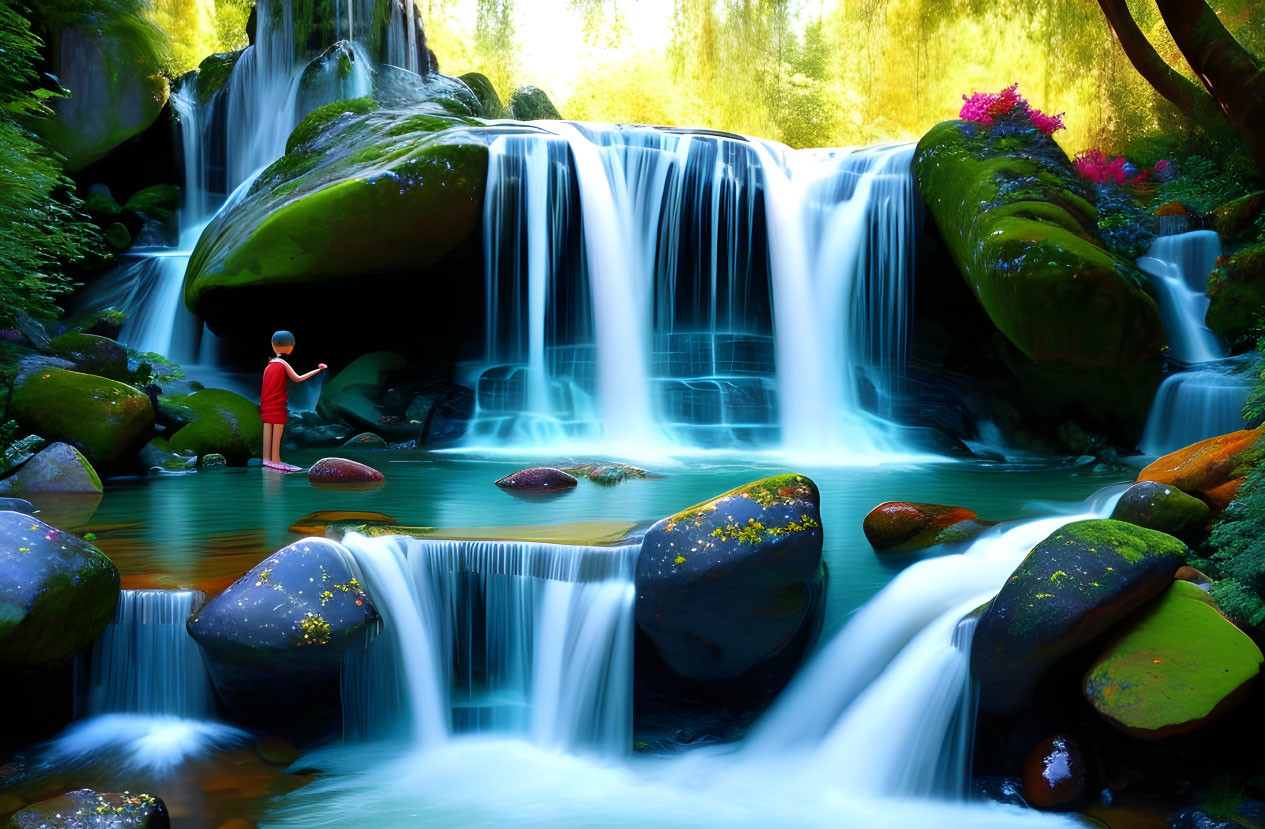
<point x="902" y="526"/>
<point x="726" y="585"/>
<point x="57" y="592"/>
<point x="1212" y="469"/>
<point x="104" y="419"/>
<point x="1161" y="507"/>
<point x="85" y="809"/>
<point x="538" y="479"/>
<point x="58" y="469"/>
<point x="341" y="471"/>
<point x="1071" y="588"/>
<point x="281" y="629"/>
<point x="224" y="423"/>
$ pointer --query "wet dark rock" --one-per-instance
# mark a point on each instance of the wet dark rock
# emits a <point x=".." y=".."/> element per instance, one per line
<point x="343" y="471"/>
<point x="1054" y="774"/>
<point x="57" y="592"/>
<point x="90" y="354"/>
<point x="213" y="459"/>
<point x="17" y="505"/>
<point x="1072" y="587"/>
<point x="365" y="440"/>
<point x="606" y="474"/>
<point x="86" y="809"/>
<point x="1245" y="814"/>
<point x="1161" y="507"/>
<point x="726" y="585"/>
<point x="538" y="479"/>
<point x="1007" y="790"/>
<point x="57" y="469"/>
<point x="158" y="456"/>
<point x="450" y="414"/>
<point x="282" y="628"/>
<point x="21" y="451"/>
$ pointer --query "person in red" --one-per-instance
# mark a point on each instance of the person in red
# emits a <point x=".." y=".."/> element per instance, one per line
<point x="273" y="399"/>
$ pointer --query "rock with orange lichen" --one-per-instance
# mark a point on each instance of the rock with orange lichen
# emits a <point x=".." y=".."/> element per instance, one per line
<point x="903" y="526"/>
<point x="728" y="584"/>
<point x="283" y="627"/>
<point x="1212" y="469"/>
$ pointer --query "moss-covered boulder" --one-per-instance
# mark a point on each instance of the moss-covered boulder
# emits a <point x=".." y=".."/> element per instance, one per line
<point x="57" y="592"/>
<point x="156" y="210"/>
<point x="90" y="354"/>
<point x="1212" y="469"/>
<point x="158" y="457"/>
<point x="106" y="420"/>
<point x="1022" y="228"/>
<point x="224" y="423"/>
<point x="1070" y="589"/>
<point x="377" y="188"/>
<point x="482" y="88"/>
<point x="1173" y="666"/>
<point x="117" y="89"/>
<point x="58" y="469"/>
<point x="726" y="585"/>
<point x="281" y="629"/>
<point x="213" y="74"/>
<point x="530" y="103"/>
<point x="353" y="394"/>
<point x="1235" y="221"/>
<point x="1161" y="507"/>
<point x="85" y="808"/>
<point x="1236" y="293"/>
<point x="901" y="526"/>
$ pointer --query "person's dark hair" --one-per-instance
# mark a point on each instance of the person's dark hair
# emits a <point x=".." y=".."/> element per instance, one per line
<point x="283" y="338"/>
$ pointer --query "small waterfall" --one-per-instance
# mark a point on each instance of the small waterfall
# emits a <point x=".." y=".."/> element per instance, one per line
<point x="145" y="662"/>
<point x="1195" y="404"/>
<point x="1179" y="267"/>
<point x="514" y="638"/>
<point x="642" y="280"/>
<point x="887" y="704"/>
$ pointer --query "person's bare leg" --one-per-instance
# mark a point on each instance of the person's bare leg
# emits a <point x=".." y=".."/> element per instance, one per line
<point x="277" y="429"/>
<point x="268" y="442"/>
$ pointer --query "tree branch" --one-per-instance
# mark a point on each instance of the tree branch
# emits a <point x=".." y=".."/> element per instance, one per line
<point x="1167" y="81"/>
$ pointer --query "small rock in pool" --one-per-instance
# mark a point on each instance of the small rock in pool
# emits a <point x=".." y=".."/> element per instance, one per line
<point x="365" y="440"/>
<point x="343" y="471"/>
<point x="214" y="459"/>
<point x="902" y="526"/>
<point x="1054" y="775"/>
<point x="538" y="479"/>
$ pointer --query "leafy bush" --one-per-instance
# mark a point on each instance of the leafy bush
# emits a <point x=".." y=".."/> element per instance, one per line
<point x="1203" y="185"/>
<point x="43" y="229"/>
<point x="1126" y="228"/>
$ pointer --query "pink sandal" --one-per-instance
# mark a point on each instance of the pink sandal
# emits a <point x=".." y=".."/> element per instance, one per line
<point x="282" y="467"/>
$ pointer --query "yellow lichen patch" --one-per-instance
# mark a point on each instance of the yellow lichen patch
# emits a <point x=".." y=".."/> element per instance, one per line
<point x="325" y="597"/>
<point x="679" y="560"/>
<point x="316" y="631"/>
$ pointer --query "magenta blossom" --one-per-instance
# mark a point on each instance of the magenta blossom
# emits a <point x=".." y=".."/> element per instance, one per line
<point x="986" y="107"/>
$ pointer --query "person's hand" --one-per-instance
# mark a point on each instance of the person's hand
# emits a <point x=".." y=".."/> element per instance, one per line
<point x="322" y="366"/>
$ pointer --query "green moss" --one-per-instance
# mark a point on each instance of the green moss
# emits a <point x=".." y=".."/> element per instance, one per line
<point x="1236" y="292"/>
<point x="91" y="354"/>
<point x="104" y="419"/>
<point x="482" y="88"/>
<point x="318" y="119"/>
<point x="1176" y="660"/>
<point x="1129" y="541"/>
<point x="213" y="74"/>
<point x="224" y="423"/>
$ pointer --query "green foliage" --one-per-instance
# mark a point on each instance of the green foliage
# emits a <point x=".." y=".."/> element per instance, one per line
<point x="43" y="229"/>
<point x="1201" y="184"/>
<point x="495" y="43"/>
<point x="8" y="433"/>
<point x="1235" y="552"/>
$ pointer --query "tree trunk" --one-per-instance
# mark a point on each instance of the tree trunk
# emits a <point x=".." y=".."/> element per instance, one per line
<point x="1231" y="74"/>
<point x="1167" y="81"/>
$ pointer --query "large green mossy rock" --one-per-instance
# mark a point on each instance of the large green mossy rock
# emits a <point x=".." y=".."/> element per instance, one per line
<point x="90" y="354"/>
<point x="1236" y="293"/>
<point x="213" y="74"/>
<point x="223" y="422"/>
<point x="482" y="88"/>
<point x="530" y="103"/>
<point x="1021" y="226"/>
<point x="1175" y="665"/>
<point x="1070" y="589"/>
<point x="370" y="194"/>
<point x="104" y="419"/>
<point x="57" y="592"/>
<point x="116" y="93"/>
<point x="728" y="585"/>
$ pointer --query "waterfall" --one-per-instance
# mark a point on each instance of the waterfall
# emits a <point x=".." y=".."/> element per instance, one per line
<point x="519" y="638"/>
<point x="145" y="662"/>
<point x="1179" y="267"/>
<point x="659" y="287"/>
<point x="1206" y="397"/>
<point x="146" y="698"/>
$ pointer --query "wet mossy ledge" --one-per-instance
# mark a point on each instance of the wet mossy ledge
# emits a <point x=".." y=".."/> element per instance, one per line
<point x="1021" y="226"/>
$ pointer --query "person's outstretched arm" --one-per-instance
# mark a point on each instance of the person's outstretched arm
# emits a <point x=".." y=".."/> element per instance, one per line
<point x="299" y="378"/>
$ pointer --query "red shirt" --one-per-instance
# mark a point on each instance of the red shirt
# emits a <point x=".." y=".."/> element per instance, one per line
<point x="272" y="400"/>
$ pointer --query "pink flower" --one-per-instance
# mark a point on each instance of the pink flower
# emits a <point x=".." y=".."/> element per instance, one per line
<point x="986" y="107"/>
<point x="1048" y="124"/>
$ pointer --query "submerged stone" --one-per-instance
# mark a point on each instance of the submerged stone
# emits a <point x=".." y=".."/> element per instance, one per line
<point x="283" y="627"/>
<point x="902" y="526"/>
<point x="726" y="585"/>
<point x="86" y="809"/>
<point x="1054" y="774"/>
<point x="104" y="419"/>
<point x="1173" y="666"/>
<point x="57" y="592"/>
<point x="365" y="440"/>
<point x="1071" y="588"/>
<point x="538" y="479"/>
